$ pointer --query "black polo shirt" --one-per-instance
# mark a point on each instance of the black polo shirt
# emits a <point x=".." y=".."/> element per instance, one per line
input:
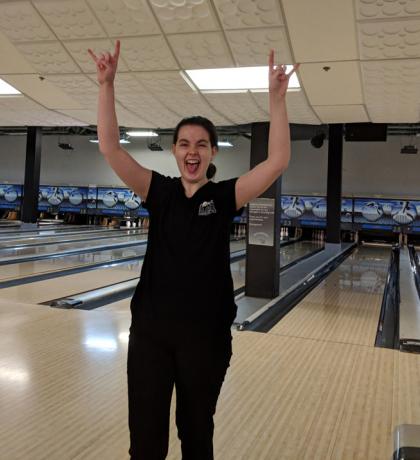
<point x="186" y="270"/>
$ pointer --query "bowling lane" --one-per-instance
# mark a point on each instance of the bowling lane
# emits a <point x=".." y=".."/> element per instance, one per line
<point x="56" y="264"/>
<point x="55" y="248"/>
<point x="292" y="252"/>
<point x="67" y="237"/>
<point x="42" y="291"/>
<point x="50" y="228"/>
<point x="344" y="307"/>
<point x="288" y="254"/>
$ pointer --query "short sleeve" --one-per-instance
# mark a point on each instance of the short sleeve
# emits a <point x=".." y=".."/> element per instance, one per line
<point x="228" y="197"/>
<point x="158" y="190"/>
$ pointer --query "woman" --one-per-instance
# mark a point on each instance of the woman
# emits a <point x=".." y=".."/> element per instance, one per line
<point x="183" y="306"/>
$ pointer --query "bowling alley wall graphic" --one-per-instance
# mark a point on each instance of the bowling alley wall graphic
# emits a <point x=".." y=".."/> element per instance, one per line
<point x="10" y="196"/>
<point x="117" y="201"/>
<point x="312" y="210"/>
<point x="62" y="199"/>
<point x="387" y="212"/>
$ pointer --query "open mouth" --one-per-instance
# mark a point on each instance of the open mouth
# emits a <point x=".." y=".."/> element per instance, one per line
<point x="192" y="166"/>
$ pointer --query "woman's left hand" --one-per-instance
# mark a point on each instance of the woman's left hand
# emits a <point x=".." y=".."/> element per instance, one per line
<point x="277" y="77"/>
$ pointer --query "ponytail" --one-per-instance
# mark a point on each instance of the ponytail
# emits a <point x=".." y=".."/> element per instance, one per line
<point x="211" y="171"/>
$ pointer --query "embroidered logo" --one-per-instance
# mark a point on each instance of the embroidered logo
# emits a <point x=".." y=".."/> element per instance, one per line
<point x="207" y="208"/>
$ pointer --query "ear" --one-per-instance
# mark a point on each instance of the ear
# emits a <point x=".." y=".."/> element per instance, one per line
<point x="214" y="151"/>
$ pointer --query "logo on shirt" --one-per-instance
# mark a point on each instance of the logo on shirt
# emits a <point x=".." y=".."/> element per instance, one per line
<point x="206" y="208"/>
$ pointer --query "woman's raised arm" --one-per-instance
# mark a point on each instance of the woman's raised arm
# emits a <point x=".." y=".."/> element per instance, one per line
<point x="256" y="181"/>
<point x="130" y="172"/>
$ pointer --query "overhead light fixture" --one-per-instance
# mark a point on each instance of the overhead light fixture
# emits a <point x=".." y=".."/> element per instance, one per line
<point x="8" y="90"/>
<point x="122" y="141"/>
<point x="142" y="134"/>
<point x="318" y="140"/>
<point x="409" y="149"/>
<point x="236" y="79"/>
<point x="65" y="146"/>
<point x="224" y="144"/>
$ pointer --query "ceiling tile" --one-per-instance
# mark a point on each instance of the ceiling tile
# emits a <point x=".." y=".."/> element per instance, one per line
<point x="168" y="82"/>
<point x="341" y="113"/>
<point x="392" y="86"/>
<point x="201" y="51"/>
<point x="185" y="16"/>
<point x="385" y="113"/>
<point x="121" y="18"/>
<point x="380" y="9"/>
<point x="340" y="85"/>
<point x="251" y="47"/>
<point x="321" y="31"/>
<point x="240" y="107"/>
<point x="244" y="14"/>
<point x="147" y="53"/>
<point x="78" y="50"/>
<point x="128" y="119"/>
<point x="90" y="117"/>
<point x="15" y="62"/>
<point x="79" y="87"/>
<point x="176" y="94"/>
<point x="70" y="19"/>
<point x="21" y="111"/>
<point x="21" y="23"/>
<point x="48" y="57"/>
<point x="389" y="39"/>
<point x="298" y="109"/>
<point x="131" y="94"/>
<point x="42" y="91"/>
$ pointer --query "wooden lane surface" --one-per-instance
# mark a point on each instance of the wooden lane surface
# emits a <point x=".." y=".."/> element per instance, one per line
<point x="345" y="307"/>
<point x="63" y="392"/>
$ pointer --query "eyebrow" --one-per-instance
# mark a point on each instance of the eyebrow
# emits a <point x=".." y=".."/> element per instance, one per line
<point x="200" y="140"/>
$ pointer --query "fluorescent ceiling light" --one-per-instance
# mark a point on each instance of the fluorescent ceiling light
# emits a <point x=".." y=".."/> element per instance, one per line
<point x="142" y="133"/>
<point x="122" y="141"/>
<point x="7" y="90"/>
<point x="224" y="144"/>
<point x="235" y="79"/>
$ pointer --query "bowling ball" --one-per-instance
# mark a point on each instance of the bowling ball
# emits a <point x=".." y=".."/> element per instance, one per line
<point x="295" y="209"/>
<point x="320" y="209"/>
<point x="75" y="197"/>
<point x="10" y="194"/>
<point x="387" y="207"/>
<point x="110" y="199"/>
<point x="56" y="197"/>
<point x="308" y="205"/>
<point x="133" y="201"/>
<point x="372" y="211"/>
<point x="404" y="214"/>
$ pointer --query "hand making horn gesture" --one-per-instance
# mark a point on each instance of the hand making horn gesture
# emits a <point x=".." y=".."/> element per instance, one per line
<point x="278" y="78"/>
<point x="106" y="64"/>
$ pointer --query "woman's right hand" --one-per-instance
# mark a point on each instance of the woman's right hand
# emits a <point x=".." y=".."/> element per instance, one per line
<point x="106" y="64"/>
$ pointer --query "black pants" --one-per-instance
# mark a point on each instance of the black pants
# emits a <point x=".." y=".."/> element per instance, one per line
<point x="193" y="359"/>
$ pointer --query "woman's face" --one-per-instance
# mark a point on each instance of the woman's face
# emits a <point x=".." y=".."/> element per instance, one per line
<point x="193" y="152"/>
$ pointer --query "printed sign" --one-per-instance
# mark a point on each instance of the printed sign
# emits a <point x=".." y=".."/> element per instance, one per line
<point x="261" y="222"/>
